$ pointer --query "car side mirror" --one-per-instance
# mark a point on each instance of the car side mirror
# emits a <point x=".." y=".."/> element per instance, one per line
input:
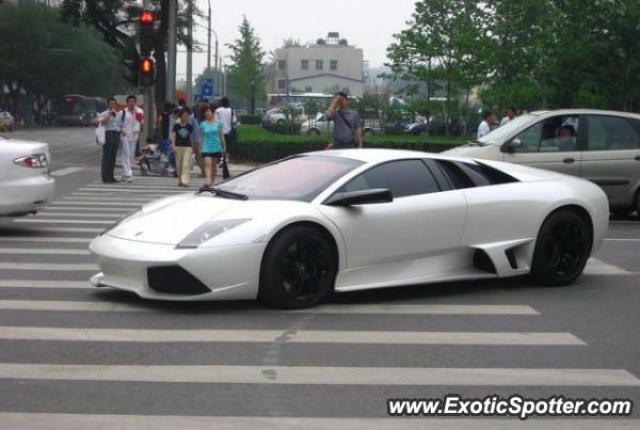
<point x="363" y="197"/>
<point x="510" y="147"/>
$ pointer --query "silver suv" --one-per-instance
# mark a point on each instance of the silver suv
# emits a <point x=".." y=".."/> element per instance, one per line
<point x="601" y="146"/>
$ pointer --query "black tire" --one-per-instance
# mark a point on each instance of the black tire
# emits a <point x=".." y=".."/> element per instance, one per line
<point x="298" y="269"/>
<point x="314" y="132"/>
<point x="368" y="132"/>
<point x="638" y="204"/>
<point x="562" y="249"/>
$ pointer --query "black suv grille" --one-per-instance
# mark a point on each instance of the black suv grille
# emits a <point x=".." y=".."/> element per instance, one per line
<point x="175" y="280"/>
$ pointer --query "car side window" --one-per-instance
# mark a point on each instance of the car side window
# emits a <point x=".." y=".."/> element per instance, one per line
<point x="555" y="134"/>
<point x="468" y="175"/>
<point x="403" y="178"/>
<point x="609" y="133"/>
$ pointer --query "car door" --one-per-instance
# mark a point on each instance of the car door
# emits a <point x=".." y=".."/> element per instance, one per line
<point x="612" y="156"/>
<point x="552" y="144"/>
<point x="421" y="220"/>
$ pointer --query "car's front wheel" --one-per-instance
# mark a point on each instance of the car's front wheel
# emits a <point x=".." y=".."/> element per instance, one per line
<point x="298" y="269"/>
<point x="562" y="249"/>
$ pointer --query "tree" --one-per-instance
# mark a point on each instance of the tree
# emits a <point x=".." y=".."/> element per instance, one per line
<point x="53" y="59"/>
<point x="247" y="68"/>
<point x="444" y="42"/>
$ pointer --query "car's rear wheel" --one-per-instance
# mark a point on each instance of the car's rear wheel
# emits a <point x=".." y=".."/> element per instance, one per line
<point x="562" y="249"/>
<point x="638" y="203"/>
<point x="621" y="212"/>
<point x="298" y="269"/>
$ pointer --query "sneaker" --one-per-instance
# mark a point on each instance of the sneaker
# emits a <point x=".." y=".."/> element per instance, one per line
<point x="129" y="179"/>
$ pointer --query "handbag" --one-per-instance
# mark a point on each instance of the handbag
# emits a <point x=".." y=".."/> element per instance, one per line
<point x="225" y="169"/>
<point x="101" y="135"/>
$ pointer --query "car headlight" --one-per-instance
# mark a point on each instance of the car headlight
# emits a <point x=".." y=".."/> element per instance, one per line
<point x="208" y="231"/>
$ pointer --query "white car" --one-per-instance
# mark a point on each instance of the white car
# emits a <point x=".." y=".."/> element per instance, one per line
<point x="293" y="231"/>
<point x="25" y="184"/>
<point x="320" y="125"/>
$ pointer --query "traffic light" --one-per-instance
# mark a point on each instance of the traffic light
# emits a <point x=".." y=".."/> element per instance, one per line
<point x="147" y="71"/>
<point x="147" y="20"/>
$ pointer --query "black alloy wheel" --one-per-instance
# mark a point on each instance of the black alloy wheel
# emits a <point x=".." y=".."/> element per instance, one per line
<point x="298" y="269"/>
<point x="562" y="249"/>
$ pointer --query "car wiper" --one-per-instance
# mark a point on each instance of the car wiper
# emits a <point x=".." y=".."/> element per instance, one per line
<point x="224" y="193"/>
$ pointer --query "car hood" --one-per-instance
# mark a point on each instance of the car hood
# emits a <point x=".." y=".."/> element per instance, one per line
<point x="170" y="220"/>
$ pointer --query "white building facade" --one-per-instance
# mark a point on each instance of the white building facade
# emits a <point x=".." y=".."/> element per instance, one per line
<point x="328" y="66"/>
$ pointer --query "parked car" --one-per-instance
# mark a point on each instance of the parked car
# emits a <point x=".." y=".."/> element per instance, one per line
<point x="320" y="125"/>
<point x="25" y="184"/>
<point x="7" y="121"/>
<point x="279" y="116"/>
<point x="294" y="231"/>
<point x="601" y="146"/>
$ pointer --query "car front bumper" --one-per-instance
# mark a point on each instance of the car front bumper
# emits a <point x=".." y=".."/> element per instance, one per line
<point x="228" y="273"/>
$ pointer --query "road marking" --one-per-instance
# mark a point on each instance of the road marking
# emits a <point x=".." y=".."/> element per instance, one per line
<point x="43" y="283"/>
<point x="125" y="194"/>
<point x="54" y="209"/>
<point x="599" y="267"/>
<point x="39" y="229"/>
<point x="302" y="336"/>
<point x="60" y="221"/>
<point x="622" y="240"/>
<point x="47" y="421"/>
<point x="88" y="203"/>
<point x="424" y="309"/>
<point x="53" y="267"/>
<point x="98" y="306"/>
<point x="44" y="251"/>
<point x="127" y="190"/>
<point x="39" y="239"/>
<point x="108" y="199"/>
<point x="298" y="375"/>
<point x="67" y="171"/>
<point x="43" y="215"/>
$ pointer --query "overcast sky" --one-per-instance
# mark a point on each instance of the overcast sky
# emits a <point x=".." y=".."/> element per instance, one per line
<point x="367" y="24"/>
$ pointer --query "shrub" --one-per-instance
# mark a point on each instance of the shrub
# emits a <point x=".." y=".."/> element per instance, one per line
<point x="250" y="119"/>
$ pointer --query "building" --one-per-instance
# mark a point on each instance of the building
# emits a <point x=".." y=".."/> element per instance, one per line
<point x="327" y="66"/>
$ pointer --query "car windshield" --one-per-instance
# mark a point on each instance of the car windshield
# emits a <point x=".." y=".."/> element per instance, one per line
<point x="500" y="134"/>
<point x="298" y="178"/>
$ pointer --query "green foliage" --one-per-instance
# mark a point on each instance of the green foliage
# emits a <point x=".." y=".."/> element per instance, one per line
<point x="256" y="144"/>
<point x="531" y="54"/>
<point x="250" y="119"/>
<point x="51" y="58"/>
<point x="247" y="68"/>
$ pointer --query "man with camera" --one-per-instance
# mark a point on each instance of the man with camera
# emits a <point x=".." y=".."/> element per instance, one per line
<point x="112" y="141"/>
<point x="347" y="131"/>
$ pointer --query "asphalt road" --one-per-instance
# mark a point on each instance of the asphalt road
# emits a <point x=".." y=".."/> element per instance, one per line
<point x="72" y="356"/>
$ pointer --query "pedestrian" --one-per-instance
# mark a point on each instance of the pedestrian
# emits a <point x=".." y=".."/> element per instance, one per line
<point x="131" y="118"/>
<point x="181" y="137"/>
<point x="347" y="131"/>
<point x="488" y="118"/>
<point x="213" y="145"/>
<point x="112" y="141"/>
<point x="195" y="120"/>
<point x="511" y="113"/>
<point x="227" y="115"/>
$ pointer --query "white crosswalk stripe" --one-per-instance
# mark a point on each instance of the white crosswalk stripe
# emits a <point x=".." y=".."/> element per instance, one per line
<point x="45" y="421"/>
<point x="44" y="239"/>
<point x="43" y="251"/>
<point x="47" y="284"/>
<point x="307" y="336"/>
<point x="61" y="221"/>
<point x="311" y="375"/>
<point x="46" y="267"/>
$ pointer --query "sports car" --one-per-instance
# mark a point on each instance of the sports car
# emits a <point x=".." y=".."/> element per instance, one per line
<point x="291" y="232"/>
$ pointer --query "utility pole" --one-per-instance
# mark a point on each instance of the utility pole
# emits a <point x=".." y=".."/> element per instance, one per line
<point x="217" y="66"/>
<point x="190" y="52"/>
<point x="172" y="49"/>
<point x="209" y="38"/>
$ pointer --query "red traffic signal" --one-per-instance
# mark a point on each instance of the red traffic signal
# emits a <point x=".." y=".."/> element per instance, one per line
<point x="146" y="17"/>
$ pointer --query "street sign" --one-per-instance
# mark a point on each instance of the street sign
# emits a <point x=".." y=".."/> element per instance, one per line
<point x="207" y="88"/>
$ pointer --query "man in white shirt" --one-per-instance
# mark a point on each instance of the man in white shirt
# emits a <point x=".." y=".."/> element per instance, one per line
<point x="511" y="113"/>
<point x="488" y="118"/>
<point x="131" y="120"/>
<point x="228" y="117"/>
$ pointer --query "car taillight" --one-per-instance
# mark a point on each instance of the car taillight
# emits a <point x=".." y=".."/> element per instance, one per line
<point x="35" y="161"/>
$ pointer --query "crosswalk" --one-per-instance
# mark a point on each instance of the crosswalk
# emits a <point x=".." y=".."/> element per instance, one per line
<point x="76" y="357"/>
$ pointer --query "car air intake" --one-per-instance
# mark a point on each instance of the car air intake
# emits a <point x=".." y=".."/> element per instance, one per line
<point x="481" y="261"/>
<point x="175" y="280"/>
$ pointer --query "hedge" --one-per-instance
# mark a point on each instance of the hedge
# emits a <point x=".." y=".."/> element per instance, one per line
<point x="258" y="145"/>
<point x="250" y="119"/>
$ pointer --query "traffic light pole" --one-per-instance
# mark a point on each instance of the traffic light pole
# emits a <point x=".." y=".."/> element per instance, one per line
<point x="172" y="49"/>
<point x="190" y="52"/>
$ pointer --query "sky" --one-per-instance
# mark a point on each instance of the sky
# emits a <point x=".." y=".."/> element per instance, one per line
<point x="367" y="24"/>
